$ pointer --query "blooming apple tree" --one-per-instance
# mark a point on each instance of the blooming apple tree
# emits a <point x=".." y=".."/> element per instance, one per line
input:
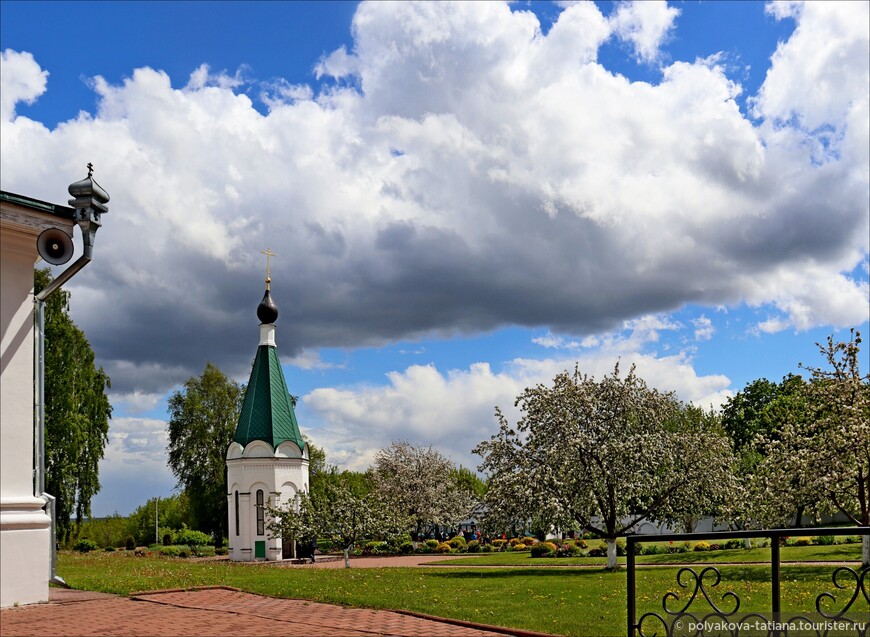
<point x="828" y="453"/>
<point x="603" y="455"/>
<point x="420" y="484"/>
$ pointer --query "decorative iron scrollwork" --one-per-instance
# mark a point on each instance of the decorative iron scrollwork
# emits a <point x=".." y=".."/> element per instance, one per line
<point x="683" y="621"/>
<point x="677" y="616"/>
<point x="860" y="587"/>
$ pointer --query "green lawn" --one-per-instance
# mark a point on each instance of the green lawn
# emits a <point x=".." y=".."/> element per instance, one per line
<point x="559" y="601"/>
<point x="835" y="553"/>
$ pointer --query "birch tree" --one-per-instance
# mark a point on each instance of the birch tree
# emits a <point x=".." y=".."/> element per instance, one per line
<point x="603" y="455"/>
<point x="77" y="413"/>
<point x="202" y="420"/>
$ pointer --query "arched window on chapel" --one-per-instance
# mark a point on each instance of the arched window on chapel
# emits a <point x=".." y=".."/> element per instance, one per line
<point x="261" y="513"/>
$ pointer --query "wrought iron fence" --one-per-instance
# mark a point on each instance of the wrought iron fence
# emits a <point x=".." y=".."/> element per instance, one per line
<point x="835" y="613"/>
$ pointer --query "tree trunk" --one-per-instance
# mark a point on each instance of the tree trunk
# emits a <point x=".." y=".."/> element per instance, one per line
<point x="347" y="556"/>
<point x="799" y="516"/>
<point x="865" y="550"/>
<point x="611" y="553"/>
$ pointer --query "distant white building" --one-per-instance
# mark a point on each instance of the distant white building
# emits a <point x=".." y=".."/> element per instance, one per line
<point x="268" y="458"/>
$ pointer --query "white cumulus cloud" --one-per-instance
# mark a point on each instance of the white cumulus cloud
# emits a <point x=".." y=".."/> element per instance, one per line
<point x="22" y="79"/>
<point x="644" y="25"/>
<point x="467" y="172"/>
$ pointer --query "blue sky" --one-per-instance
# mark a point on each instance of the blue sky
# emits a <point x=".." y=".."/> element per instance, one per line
<point x="464" y="199"/>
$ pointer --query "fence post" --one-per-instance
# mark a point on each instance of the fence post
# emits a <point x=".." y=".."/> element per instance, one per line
<point x="630" y="584"/>
<point x="774" y="580"/>
<point x="774" y="573"/>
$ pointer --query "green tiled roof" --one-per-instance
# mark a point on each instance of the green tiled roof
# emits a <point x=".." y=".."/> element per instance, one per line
<point x="36" y="204"/>
<point x="267" y="413"/>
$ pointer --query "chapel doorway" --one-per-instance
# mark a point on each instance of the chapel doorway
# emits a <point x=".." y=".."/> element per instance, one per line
<point x="288" y="547"/>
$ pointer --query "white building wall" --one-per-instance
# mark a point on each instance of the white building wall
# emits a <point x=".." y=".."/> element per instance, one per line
<point x="280" y="477"/>
<point x="25" y="528"/>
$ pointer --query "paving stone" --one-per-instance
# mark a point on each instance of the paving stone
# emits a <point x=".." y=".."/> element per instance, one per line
<point x="213" y="612"/>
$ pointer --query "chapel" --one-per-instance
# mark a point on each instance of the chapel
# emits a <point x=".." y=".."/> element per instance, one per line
<point x="267" y="462"/>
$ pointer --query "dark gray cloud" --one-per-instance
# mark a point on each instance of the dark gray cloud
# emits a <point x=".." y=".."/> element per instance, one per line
<point x="463" y="189"/>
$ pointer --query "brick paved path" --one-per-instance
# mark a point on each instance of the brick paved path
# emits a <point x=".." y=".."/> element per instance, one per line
<point x="214" y="612"/>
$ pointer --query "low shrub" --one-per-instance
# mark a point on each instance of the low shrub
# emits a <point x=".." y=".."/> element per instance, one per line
<point x="444" y="547"/>
<point x="396" y="542"/>
<point x="852" y="539"/>
<point x="183" y="550"/>
<point x="221" y="551"/>
<point x="734" y="544"/>
<point x="109" y="549"/>
<point x="544" y="549"/>
<point x="498" y="544"/>
<point x="167" y="539"/>
<point x="620" y="546"/>
<point x="487" y="548"/>
<point x="203" y="551"/>
<point x="514" y="541"/>
<point x="701" y="546"/>
<point x="715" y="547"/>
<point x="581" y="543"/>
<point x="521" y="547"/>
<point x="801" y="541"/>
<point x="374" y="548"/>
<point x="432" y="544"/>
<point x="190" y="537"/>
<point x="676" y="548"/>
<point x="457" y="542"/>
<point x="325" y="546"/>
<point x="172" y="551"/>
<point x="597" y="551"/>
<point x="824" y="540"/>
<point x="569" y="549"/>
<point x="653" y="549"/>
<point x="473" y="546"/>
<point x="528" y="540"/>
<point x="85" y="546"/>
<point x="129" y="543"/>
<point x="406" y="548"/>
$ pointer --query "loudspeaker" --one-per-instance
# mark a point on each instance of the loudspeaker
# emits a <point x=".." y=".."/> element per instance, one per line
<point x="55" y="246"/>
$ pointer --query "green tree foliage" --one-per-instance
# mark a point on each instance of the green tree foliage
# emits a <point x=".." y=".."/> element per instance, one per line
<point x="756" y="412"/>
<point x="754" y="417"/>
<point x="173" y="513"/>
<point x="317" y="466"/>
<point x="77" y="412"/>
<point x="202" y="420"/>
<point x="469" y="482"/>
<point x="109" y="531"/>
<point x="823" y="459"/>
<point x="602" y="455"/>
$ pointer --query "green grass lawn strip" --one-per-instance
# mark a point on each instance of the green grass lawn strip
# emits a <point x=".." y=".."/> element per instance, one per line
<point x="835" y="553"/>
<point x="558" y="601"/>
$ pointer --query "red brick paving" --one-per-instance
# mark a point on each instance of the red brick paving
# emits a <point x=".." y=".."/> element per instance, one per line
<point x="213" y="612"/>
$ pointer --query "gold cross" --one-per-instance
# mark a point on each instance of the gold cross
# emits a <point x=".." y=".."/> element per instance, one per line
<point x="269" y="254"/>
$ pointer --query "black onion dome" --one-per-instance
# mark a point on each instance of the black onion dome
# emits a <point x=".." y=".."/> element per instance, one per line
<point x="267" y="311"/>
